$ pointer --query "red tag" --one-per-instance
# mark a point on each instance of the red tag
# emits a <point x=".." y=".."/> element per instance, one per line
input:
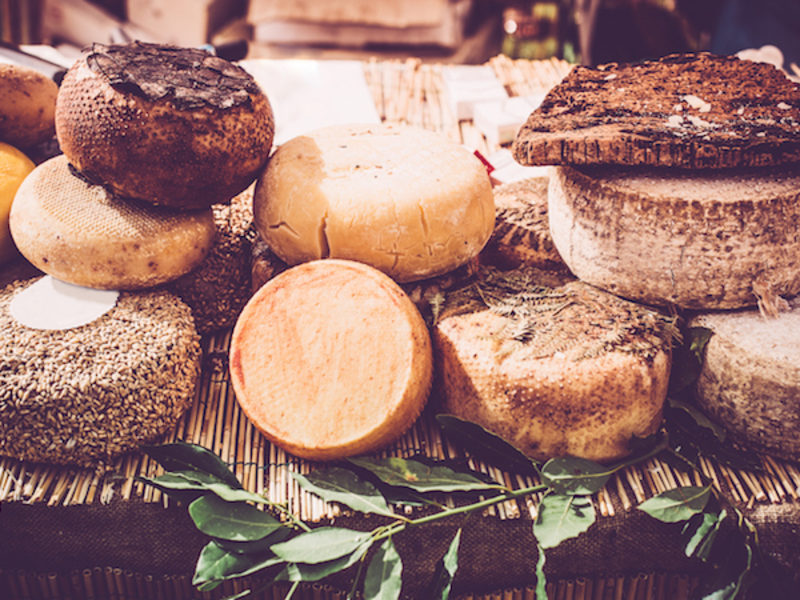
<point x="486" y="163"/>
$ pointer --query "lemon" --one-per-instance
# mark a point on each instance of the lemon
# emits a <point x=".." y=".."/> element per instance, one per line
<point x="14" y="167"/>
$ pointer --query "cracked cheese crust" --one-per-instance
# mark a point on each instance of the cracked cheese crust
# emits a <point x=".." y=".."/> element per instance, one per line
<point x="406" y="201"/>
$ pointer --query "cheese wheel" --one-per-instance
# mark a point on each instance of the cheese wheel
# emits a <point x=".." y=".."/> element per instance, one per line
<point x="331" y="359"/>
<point x="409" y="202"/>
<point x="750" y="377"/>
<point x="27" y="106"/>
<point x="522" y="230"/>
<point x="220" y="286"/>
<point x="87" y="394"/>
<point x="14" y="168"/>
<point x="562" y="371"/>
<point x="695" y="239"/>
<point x="81" y="234"/>
<point x="172" y="126"/>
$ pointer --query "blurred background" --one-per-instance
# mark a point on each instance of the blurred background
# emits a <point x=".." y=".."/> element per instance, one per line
<point x="450" y="31"/>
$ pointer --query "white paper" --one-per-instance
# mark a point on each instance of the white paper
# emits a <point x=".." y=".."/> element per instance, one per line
<point x="53" y="304"/>
<point x="310" y="94"/>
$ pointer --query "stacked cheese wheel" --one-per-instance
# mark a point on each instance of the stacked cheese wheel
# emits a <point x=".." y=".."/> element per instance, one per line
<point x="149" y="197"/>
<point x="678" y="189"/>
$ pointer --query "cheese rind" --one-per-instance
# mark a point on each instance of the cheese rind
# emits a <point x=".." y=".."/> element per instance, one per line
<point x="81" y="234"/>
<point x="406" y="201"/>
<point x="750" y="377"/>
<point x="27" y="106"/>
<point x="698" y="240"/>
<point x="564" y="371"/>
<point x="15" y="166"/>
<point x="331" y="359"/>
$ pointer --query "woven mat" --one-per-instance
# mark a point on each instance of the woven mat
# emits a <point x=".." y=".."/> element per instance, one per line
<point x="409" y="92"/>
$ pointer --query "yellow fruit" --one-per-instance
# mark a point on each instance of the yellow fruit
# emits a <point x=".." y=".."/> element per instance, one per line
<point x="27" y="106"/>
<point x="14" y="167"/>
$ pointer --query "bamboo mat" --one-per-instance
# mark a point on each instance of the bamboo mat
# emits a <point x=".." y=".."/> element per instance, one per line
<point x="408" y="92"/>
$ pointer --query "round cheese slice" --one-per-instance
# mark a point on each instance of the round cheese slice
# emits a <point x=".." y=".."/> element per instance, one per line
<point x="331" y="359"/>
<point x="555" y="371"/>
<point x="409" y="202"/>
<point x="85" y="395"/>
<point x="750" y="378"/>
<point x="81" y="234"/>
<point x="522" y="231"/>
<point x="703" y="240"/>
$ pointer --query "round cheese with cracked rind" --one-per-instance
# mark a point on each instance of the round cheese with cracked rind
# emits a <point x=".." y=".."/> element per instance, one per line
<point x="87" y="394"/>
<point x="331" y="359"/>
<point x="704" y="240"/>
<point x="556" y="371"/>
<point x="409" y="202"/>
<point x="81" y="234"/>
<point x="750" y="377"/>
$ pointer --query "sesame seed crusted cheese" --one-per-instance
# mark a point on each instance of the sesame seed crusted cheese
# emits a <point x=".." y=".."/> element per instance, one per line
<point x="556" y="371"/>
<point x="409" y="202"/>
<point x="82" y="234"/>
<point x="85" y="395"/>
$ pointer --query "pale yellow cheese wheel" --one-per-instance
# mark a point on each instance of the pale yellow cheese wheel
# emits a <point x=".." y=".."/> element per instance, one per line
<point x="409" y="202"/>
<point x="79" y="233"/>
<point x="331" y="359"/>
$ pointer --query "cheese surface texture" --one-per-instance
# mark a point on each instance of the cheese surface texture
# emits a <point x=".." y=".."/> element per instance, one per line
<point x="406" y="201"/>
<point x="87" y="394"/>
<point x="556" y="371"/>
<point x="331" y="359"/>
<point x="14" y="167"/>
<point x="703" y="240"/>
<point x="750" y="377"/>
<point x="79" y="233"/>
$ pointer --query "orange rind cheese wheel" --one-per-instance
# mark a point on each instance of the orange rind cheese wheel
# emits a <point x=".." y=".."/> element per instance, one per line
<point x="331" y="359"/>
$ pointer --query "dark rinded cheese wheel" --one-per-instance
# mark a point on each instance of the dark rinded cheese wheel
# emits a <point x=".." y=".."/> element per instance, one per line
<point x="695" y="111"/>
<point x="703" y="240"/>
<point x="81" y="234"/>
<point x="556" y="371"/>
<point x="331" y="359"/>
<point x="409" y="202"/>
<point x="750" y="378"/>
<point x="172" y="126"/>
<point x="88" y="394"/>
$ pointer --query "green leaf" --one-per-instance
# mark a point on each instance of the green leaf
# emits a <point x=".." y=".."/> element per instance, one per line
<point x="678" y="504"/>
<point x="215" y="565"/>
<point x="735" y="575"/>
<point x="321" y="545"/>
<point x="697" y="418"/>
<point x="234" y="521"/>
<point x="541" y="578"/>
<point x="421" y="477"/>
<point x="261" y="547"/>
<point x="383" y="580"/>
<point x="182" y="456"/>
<point x="706" y="526"/>
<point x="198" y="481"/>
<point x="574" y="476"/>
<point x="317" y="571"/>
<point x="446" y="570"/>
<point x="336" y="484"/>
<point x="485" y="445"/>
<point x="688" y="359"/>
<point x="562" y="517"/>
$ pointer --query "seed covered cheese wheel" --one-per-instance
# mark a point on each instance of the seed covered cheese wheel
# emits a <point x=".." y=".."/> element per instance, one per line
<point x="87" y="394"/>
<point x="556" y="371"/>
<point x="702" y="240"/>
<point x="409" y="202"/>
<point x="750" y="377"/>
<point x="331" y="359"/>
<point x="81" y="234"/>
<point x="172" y="126"/>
